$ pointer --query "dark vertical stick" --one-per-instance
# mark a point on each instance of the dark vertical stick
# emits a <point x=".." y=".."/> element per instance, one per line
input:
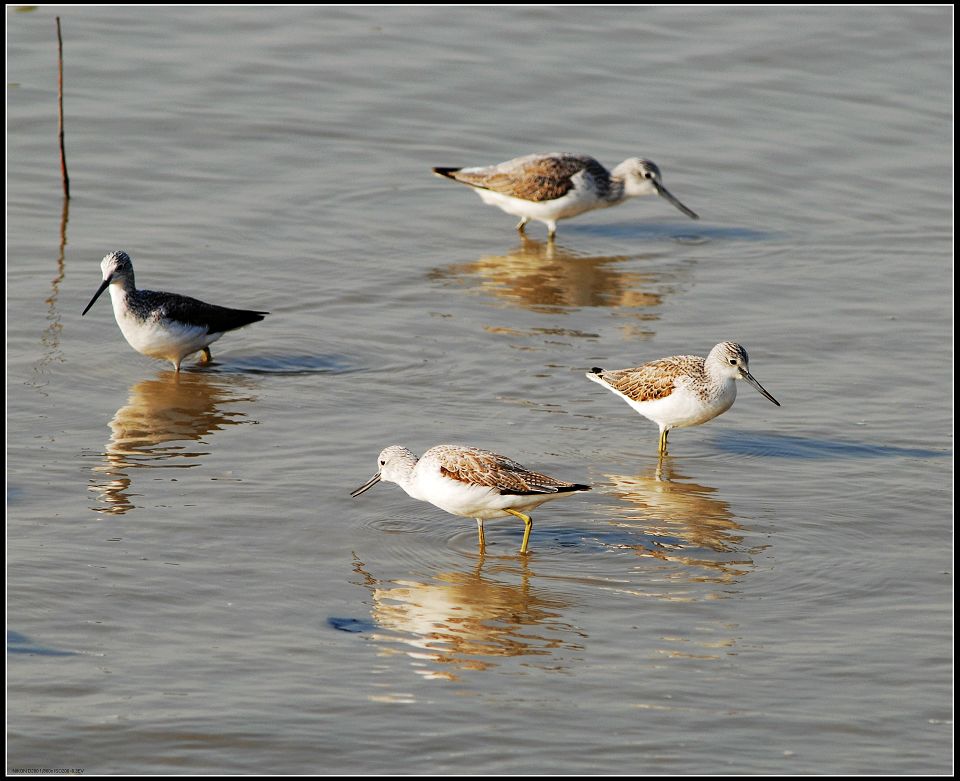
<point x="63" y="153"/>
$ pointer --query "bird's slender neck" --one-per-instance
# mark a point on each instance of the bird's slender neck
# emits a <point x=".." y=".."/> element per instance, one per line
<point x="717" y="378"/>
<point x="401" y="473"/>
<point x="408" y="484"/>
<point x="118" y="297"/>
<point x="122" y="296"/>
<point x="617" y="189"/>
<point x="124" y="282"/>
<point x="712" y="368"/>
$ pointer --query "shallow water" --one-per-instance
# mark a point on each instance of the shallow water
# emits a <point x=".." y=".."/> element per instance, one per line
<point x="191" y="587"/>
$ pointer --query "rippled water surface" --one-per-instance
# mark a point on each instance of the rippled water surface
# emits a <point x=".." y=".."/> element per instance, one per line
<point x="191" y="588"/>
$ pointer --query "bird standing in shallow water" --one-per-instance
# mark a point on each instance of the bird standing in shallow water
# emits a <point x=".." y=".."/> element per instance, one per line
<point x="165" y="325"/>
<point x="470" y="482"/>
<point x="682" y="390"/>
<point x="558" y="185"/>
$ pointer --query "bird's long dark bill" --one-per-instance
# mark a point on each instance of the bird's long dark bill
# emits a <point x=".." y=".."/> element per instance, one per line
<point x="366" y="486"/>
<point x="104" y="285"/>
<point x="752" y="380"/>
<point x="665" y="193"/>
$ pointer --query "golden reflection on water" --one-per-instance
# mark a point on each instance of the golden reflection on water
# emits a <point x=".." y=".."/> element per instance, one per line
<point x="156" y="427"/>
<point x="691" y="525"/>
<point x="465" y="620"/>
<point x="696" y="536"/>
<point x="543" y="276"/>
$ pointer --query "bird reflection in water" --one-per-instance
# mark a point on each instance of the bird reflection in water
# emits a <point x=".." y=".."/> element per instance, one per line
<point x="464" y="620"/>
<point x="698" y="549"/>
<point x="544" y="277"/>
<point x="687" y="523"/>
<point x="156" y="427"/>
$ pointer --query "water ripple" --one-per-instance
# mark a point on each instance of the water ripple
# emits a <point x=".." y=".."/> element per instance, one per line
<point x="786" y="446"/>
<point x="288" y="365"/>
<point x="677" y="231"/>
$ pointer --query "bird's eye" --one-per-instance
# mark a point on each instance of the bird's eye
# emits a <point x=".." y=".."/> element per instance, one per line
<point x="383" y="463"/>
<point x="648" y="174"/>
<point x="733" y="361"/>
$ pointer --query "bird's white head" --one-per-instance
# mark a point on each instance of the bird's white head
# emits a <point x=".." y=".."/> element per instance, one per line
<point x="638" y="176"/>
<point x="642" y="177"/>
<point x="116" y="266"/>
<point x="117" y="270"/>
<point x="394" y="465"/>
<point x="730" y="359"/>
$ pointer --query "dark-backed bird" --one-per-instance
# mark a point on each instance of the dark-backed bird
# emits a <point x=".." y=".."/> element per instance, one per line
<point x="167" y="326"/>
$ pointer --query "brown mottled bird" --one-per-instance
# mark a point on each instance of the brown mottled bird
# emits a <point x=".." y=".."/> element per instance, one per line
<point x="470" y="482"/>
<point x="682" y="390"/>
<point x="558" y="185"/>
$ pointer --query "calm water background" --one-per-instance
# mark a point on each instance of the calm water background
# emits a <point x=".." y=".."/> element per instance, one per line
<point x="191" y="587"/>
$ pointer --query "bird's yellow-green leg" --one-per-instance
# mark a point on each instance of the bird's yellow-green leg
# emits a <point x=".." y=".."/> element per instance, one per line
<point x="551" y="230"/>
<point x="480" y="533"/>
<point x="205" y="356"/>
<point x="527" y="524"/>
<point x="522" y="224"/>
<point x="663" y="442"/>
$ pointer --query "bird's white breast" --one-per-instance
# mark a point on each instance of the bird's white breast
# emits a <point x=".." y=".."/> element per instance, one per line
<point x="155" y="336"/>
<point x="685" y="407"/>
<point x="472" y="501"/>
